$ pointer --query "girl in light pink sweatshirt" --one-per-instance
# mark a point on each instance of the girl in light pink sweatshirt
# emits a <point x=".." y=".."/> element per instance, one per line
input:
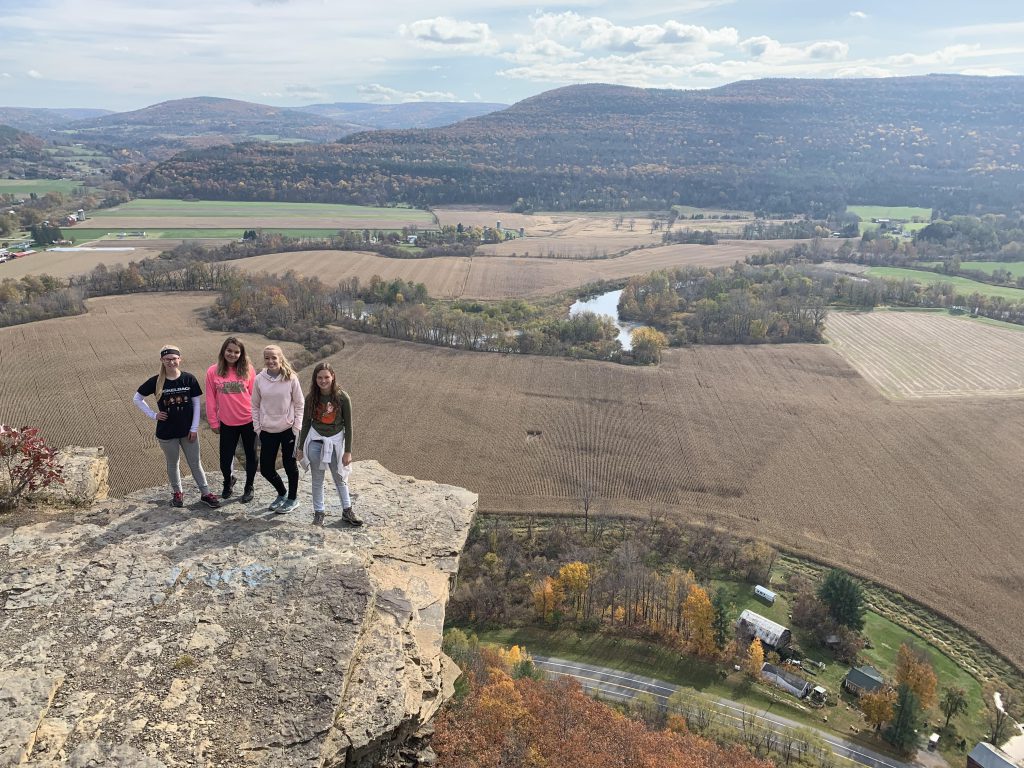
<point x="277" y="406"/>
<point x="229" y="384"/>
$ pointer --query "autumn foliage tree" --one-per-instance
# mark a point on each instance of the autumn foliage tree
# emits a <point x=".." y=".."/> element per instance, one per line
<point x="878" y="707"/>
<point x="699" y="617"/>
<point x="914" y="670"/>
<point x="523" y="722"/>
<point x="755" y="659"/>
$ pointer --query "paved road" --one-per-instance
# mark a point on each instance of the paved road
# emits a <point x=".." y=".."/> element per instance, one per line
<point x="619" y="685"/>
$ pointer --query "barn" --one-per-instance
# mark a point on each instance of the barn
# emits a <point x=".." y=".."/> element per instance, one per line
<point x="862" y="680"/>
<point x="772" y="635"/>
<point x="984" y="755"/>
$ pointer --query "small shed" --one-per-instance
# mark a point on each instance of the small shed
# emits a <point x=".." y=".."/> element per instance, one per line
<point x="984" y="755"/>
<point x="770" y="633"/>
<point x="862" y="680"/>
<point x="787" y="681"/>
<point x="765" y="594"/>
<point x="933" y="741"/>
<point x="819" y="695"/>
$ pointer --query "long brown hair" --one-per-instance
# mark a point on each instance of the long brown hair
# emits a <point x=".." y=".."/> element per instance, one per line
<point x="243" y="364"/>
<point x="313" y="396"/>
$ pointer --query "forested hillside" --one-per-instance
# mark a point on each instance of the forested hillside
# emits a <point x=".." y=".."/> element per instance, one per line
<point x="781" y="146"/>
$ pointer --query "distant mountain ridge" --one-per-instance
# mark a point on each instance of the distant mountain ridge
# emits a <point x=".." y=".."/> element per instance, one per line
<point x="162" y="129"/>
<point x="413" y="114"/>
<point x="946" y="141"/>
<point x="41" y="120"/>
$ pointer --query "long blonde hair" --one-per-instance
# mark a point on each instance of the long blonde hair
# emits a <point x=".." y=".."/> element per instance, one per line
<point x="162" y="376"/>
<point x="286" y="368"/>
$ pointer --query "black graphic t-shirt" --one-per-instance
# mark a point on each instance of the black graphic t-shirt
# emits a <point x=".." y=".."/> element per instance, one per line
<point x="176" y="401"/>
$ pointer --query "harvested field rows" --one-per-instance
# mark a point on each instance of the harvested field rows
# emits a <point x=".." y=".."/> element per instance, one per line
<point x="928" y="354"/>
<point x="496" y="277"/>
<point x="784" y="442"/>
<point x="74" y="377"/>
<point x="68" y="263"/>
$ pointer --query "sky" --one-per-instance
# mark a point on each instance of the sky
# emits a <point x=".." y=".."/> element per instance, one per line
<point x="126" y="54"/>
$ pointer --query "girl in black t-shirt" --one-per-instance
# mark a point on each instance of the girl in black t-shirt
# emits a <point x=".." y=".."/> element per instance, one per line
<point x="177" y="394"/>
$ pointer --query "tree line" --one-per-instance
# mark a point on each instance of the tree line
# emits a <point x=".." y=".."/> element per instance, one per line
<point x="742" y="304"/>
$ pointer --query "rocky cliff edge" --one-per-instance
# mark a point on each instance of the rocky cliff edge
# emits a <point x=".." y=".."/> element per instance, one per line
<point x="136" y="634"/>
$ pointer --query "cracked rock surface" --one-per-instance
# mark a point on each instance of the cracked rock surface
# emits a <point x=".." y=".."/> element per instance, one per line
<point x="137" y="634"/>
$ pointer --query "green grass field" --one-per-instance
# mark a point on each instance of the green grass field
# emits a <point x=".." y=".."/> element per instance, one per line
<point x="82" y="235"/>
<point x="962" y="284"/>
<point x="1015" y="268"/>
<point x="23" y="187"/>
<point x="906" y="213"/>
<point x="335" y="214"/>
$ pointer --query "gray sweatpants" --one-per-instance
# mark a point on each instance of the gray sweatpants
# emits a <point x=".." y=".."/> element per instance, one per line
<point x="171" y="450"/>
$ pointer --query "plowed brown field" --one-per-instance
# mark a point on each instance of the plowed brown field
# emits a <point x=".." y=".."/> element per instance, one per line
<point x="788" y="442"/>
<point x="74" y="378"/>
<point x="929" y="354"/>
<point x="497" y="277"/>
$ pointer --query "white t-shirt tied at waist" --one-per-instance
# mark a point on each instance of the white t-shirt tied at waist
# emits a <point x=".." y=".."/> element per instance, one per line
<point x="332" y="445"/>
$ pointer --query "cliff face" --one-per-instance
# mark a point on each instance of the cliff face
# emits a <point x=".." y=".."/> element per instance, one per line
<point x="142" y="635"/>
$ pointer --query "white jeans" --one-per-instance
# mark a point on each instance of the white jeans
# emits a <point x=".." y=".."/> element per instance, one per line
<point x="313" y="454"/>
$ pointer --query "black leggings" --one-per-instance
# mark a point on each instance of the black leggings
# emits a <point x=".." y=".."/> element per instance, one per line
<point x="269" y="443"/>
<point x="229" y="437"/>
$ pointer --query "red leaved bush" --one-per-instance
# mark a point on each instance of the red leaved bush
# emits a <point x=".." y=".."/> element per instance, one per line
<point x="27" y="464"/>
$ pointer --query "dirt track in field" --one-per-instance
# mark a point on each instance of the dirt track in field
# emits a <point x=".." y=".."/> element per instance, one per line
<point x="787" y="443"/>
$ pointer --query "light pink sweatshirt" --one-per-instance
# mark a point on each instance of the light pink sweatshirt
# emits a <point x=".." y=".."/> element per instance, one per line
<point x="228" y="398"/>
<point x="277" y="404"/>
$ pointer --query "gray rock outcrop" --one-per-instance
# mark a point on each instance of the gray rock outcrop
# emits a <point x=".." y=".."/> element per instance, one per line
<point x="142" y="635"/>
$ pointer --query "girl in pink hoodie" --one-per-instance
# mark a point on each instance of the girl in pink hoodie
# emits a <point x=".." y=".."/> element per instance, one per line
<point x="229" y="384"/>
<point x="277" y="406"/>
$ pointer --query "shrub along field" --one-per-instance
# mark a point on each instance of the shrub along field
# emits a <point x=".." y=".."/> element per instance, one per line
<point x="787" y="443"/>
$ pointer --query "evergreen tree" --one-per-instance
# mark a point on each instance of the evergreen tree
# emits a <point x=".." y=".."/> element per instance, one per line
<point x="844" y="598"/>
<point x="722" y="624"/>
<point x="902" y="732"/>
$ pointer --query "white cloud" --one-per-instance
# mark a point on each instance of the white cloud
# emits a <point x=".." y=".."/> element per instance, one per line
<point x="443" y="32"/>
<point x="35" y="74"/>
<point x="770" y="51"/>
<point x="988" y="71"/>
<point x="864" y="71"/>
<point x="383" y="95"/>
<point x="946" y="55"/>
<point x="858" y="14"/>
<point x="5" y="75"/>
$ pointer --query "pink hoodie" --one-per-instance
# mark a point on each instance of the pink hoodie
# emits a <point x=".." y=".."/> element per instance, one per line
<point x="277" y="404"/>
<point x="228" y="398"/>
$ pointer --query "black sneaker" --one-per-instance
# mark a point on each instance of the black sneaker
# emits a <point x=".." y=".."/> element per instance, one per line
<point x="226" y="493"/>
<point x="210" y="500"/>
<point x="247" y="494"/>
<point x="178" y="499"/>
<point x="318" y="519"/>
<point x="350" y="517"/>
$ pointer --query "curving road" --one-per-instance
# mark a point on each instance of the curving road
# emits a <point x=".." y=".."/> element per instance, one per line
<point x="619" y="685"/>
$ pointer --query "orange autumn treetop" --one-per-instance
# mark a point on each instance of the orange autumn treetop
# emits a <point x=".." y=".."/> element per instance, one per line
<point x="530" y="722"/>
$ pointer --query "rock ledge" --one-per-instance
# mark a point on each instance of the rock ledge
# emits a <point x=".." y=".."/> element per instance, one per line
<point x="142" y="635"/>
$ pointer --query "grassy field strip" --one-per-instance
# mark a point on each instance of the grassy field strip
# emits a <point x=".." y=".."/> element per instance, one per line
<point x="921" y="355"/>
<point x="40" y="186"/>
<point x="1015" y="268"/>
<point x="962" y="284"/>
<point x="204" y="209"/>
<point x="906" y="213"/>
